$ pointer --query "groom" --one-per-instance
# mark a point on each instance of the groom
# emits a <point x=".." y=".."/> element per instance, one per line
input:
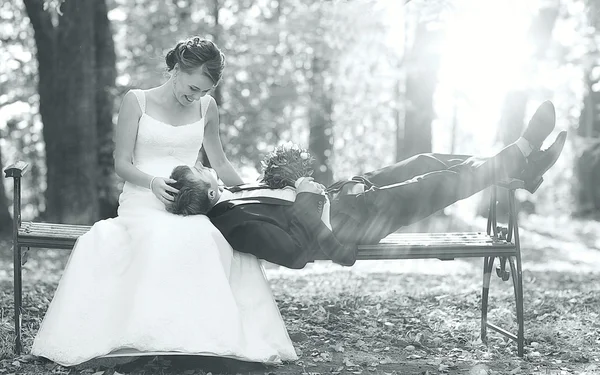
<point x="292" y="227"/>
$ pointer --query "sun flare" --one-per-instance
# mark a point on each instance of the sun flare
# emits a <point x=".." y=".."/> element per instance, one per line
<point x="484" y="55"/>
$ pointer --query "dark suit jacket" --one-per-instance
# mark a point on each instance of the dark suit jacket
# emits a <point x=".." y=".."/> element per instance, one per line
<point x="290" y="234"/>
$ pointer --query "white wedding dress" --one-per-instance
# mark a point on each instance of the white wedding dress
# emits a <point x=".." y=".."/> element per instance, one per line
<point x="149" y="282"/>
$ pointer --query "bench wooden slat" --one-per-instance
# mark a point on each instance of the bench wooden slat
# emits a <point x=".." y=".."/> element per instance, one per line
<point x="50" y="235"/>
<point x="52" y="226"/>
<point x="394" y="246"/>
<point x="378" y="252"/>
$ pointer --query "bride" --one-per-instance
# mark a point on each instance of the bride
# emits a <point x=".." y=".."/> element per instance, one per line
<point x="149" y="282"/>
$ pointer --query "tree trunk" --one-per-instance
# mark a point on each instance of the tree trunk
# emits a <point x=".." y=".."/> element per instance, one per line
<point x="5" y="219"/>
<point x="398" y="121"/>
<point x="105" y="82"/>
<point x="217" y="92"/>
<point x="587" y="171"/>
<point x="76" y="63"/>
<point x="587" y="162"/>
<point x="320" y="137"/>
<point x="421" y="80"/>
<point x="67" y="105"/>
<point x="76" y="168"/>
<point x="45" y="40"/>
<point x="589" y="118"/>
<point x="217" y="41"/>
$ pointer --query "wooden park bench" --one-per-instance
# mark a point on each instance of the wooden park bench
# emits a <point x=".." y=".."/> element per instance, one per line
<point x="497" y="242"/>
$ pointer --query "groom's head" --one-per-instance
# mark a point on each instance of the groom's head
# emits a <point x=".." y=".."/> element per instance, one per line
<point x="198" y="190"/>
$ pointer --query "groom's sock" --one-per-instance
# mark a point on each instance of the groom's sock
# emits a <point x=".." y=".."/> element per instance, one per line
<point x="525" y="147"/>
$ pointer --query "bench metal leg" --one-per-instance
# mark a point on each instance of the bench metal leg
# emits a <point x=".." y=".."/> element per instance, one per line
<point x="488" y="264"/>
<point x="18" y="290"/>
<point x="16" y="172"/>
<point x="518" y="288"/>
<point x="512" y="234"/>
<point x="517" y="273"/>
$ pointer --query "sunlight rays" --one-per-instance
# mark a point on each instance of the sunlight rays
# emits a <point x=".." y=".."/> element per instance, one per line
<point x="485" y="55"/>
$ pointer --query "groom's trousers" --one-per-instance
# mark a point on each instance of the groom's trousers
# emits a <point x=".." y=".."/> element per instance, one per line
<point x="413" y="189"/>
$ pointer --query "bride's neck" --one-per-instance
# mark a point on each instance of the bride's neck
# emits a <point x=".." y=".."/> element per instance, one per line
<point x="166" y="96"/>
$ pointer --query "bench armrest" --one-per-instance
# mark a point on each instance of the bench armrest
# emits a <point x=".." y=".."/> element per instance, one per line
<point x="16" y="170"/>
<point x="510" y="185"/>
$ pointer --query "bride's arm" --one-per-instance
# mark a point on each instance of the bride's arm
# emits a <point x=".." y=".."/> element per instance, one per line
<point x="126" y="133"/>
<point x="214" y="149"/>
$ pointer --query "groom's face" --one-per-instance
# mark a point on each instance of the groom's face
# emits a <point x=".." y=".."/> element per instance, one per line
<point x="209" y="176"/>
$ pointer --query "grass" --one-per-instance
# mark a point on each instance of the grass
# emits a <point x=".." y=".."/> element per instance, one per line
<point x="399" y="317"/>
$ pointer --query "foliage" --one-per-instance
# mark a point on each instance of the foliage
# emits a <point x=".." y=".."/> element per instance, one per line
<point x="21" y="131"/>
<point x="267" y="92"/>
<point x="269" y="48"/>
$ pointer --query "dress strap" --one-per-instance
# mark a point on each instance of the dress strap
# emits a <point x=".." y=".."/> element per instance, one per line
<point x="204" y="102"/>
<point x="141" y="98"/>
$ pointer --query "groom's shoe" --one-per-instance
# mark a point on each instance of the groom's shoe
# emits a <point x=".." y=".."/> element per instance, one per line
<point x="540" y="161"/>
<point x="541" y="125"/>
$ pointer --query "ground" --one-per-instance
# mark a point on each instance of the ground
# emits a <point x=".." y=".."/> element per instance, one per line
<point x="393" y="317"/>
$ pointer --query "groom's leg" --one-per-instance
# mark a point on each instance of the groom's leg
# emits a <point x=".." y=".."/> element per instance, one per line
<point x="381" y="210"/>
<point x="347" y="211"/>
<point x="413" y="166"/>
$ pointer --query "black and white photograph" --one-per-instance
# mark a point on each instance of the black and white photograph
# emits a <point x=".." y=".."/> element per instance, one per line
<point x="300" y="187"/>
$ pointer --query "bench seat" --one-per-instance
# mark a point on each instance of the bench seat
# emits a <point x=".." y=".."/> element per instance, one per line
<point x="50" y="236"/>
<point x="444" y="246"/>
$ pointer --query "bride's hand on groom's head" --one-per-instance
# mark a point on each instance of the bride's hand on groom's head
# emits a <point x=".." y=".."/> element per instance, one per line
<point x="163" y="190"/>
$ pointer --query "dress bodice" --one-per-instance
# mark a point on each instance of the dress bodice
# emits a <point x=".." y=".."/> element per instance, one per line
<point x="159" y="147"/>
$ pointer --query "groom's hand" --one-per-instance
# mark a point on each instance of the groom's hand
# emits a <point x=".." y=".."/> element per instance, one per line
<point x="308" y="185"/>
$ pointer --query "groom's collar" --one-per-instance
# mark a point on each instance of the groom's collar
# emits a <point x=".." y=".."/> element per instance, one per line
<point x="250" y="186"/>
<point x="223" y="206"/>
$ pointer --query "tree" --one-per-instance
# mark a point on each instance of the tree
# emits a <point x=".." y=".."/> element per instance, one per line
<point x="105" y="95"/>
<point x="17" y="89"/>
<point x="422" y="63"/>
<point x="320" y="138"/>
<point x="587" y="163"/>
<point x="74" y="65"/>
<point x="5" y="219"/>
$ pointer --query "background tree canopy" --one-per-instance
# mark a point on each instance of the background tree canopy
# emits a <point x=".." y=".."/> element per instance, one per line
<point x="362" y="83"/>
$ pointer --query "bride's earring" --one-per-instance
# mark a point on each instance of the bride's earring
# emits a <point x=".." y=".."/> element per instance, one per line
<point x="174" y="83"/>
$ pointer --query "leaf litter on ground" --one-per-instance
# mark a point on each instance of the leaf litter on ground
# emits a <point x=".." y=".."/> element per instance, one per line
<point x="403" y="317"/>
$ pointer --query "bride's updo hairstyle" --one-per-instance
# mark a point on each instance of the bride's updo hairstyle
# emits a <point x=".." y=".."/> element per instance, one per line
<point x="197" y="53"/>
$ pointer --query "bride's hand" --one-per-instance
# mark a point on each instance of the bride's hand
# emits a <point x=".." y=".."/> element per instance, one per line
<point x="161" y="188"/>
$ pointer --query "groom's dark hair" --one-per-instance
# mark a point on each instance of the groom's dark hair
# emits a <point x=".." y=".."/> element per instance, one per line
<point x="192" y="198"/>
